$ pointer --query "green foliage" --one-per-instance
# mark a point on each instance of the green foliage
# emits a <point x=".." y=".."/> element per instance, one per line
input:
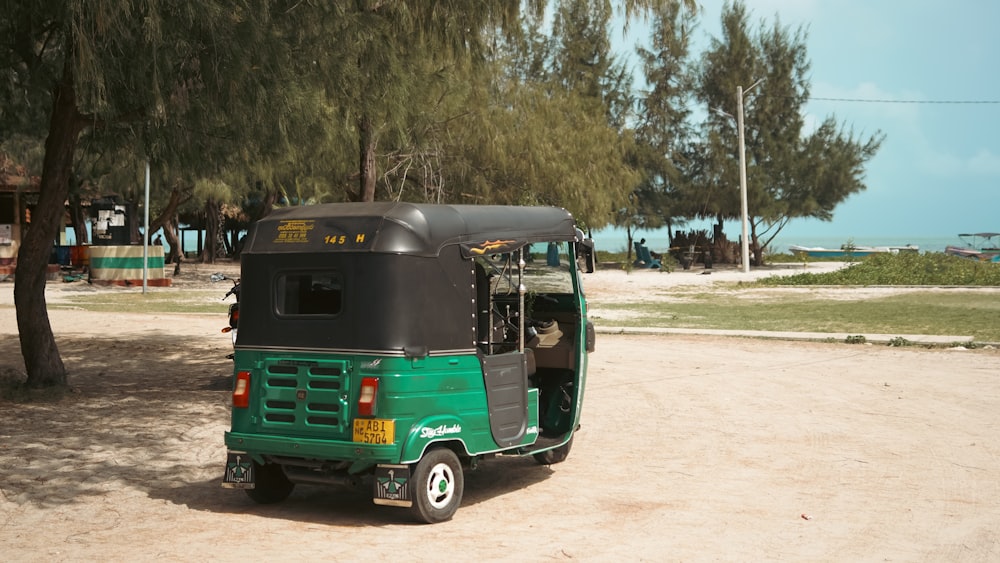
<point x="940" y="311"/>
<point x="663" y="132"/>
<point x="905" y="268"/>
<point x="538" y="123"/>
<point x="276" y="96"/>
<point x="856" y="339"/>
<point x="534" y="148"/>
<point x="790" y="174"/>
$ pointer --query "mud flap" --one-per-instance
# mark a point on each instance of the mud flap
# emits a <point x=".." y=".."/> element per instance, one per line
<point x="240" y="472"/>
<point x="392" y="485"/>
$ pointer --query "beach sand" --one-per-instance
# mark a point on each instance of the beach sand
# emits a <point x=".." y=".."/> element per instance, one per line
<point x="691" y="448"/>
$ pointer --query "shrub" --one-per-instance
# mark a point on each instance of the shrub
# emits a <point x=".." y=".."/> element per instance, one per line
<point x="905" y="268"/>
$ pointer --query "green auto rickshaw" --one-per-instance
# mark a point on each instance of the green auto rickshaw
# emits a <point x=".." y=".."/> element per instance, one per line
<point x="396" y="345"/>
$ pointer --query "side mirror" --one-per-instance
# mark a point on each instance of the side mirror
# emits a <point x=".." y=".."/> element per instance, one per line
<point x="585" y="260"/>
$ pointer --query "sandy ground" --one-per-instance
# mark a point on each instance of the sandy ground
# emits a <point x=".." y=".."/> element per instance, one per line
<point x="692" y="448"/>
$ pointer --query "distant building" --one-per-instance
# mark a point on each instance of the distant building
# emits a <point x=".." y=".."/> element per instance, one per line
<point x="18" y="196"/>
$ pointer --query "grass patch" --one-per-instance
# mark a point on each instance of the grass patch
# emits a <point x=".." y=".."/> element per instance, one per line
<point x="938" y="312"/>
<point x="160" y="301"/>
<point x="803" y="258"/>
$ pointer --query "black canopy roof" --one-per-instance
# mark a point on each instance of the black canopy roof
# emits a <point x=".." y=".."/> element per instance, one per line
<point x="407" y="280"/>
<point x="406" y="228"/>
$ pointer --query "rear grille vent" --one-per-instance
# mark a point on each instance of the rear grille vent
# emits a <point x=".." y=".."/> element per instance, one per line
<point x="287" y="405"/>
<point x="323" y="421"/>
<point x="280" y="382"/>
<point x="305" y="397"/>
<point x="279" y="417"/>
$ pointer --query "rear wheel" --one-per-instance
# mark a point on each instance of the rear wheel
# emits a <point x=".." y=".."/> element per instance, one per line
<point x="555" y="455"/>
<point x="271" y="484"/>
<point x="438" y="484"/>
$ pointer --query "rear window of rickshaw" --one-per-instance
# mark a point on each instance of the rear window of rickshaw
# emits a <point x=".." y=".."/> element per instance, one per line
<point x="309" y="293"/>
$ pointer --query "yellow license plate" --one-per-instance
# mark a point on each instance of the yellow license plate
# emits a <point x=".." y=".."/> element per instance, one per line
<point x="374" y="430"/>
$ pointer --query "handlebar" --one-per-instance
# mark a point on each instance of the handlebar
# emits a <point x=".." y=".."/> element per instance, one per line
<point x="235" y="290"/>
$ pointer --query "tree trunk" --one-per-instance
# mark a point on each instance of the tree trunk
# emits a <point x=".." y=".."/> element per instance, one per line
<point x="173" y="240"/>
<point x="270" y="198"/>
<point x="78" y="219"/>
<point x="166" y="220"/>
<point x="211" y="231"/>
<point x="38" y="345"/>
<point x="628" y="245"/>
<point x="221" y="246"/>
<point x="755" y="248"/>
<point x="235" y="243"/>
<point x="718" y="244"/>
<point x="132" y="222"/>
<point x="367" y="164"/>
<point x="173" y="235"/>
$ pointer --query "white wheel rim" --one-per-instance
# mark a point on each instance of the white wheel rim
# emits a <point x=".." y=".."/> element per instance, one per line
<point x="440" y="485"/>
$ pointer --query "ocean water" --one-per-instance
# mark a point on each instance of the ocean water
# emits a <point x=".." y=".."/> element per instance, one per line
<point x="615" y="240"/>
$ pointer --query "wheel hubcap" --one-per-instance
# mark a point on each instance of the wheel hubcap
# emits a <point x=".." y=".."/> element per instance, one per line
<point x="441" y="485"/>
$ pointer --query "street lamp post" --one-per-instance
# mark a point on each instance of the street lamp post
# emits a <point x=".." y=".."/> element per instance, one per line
<point x="744" y="212"/>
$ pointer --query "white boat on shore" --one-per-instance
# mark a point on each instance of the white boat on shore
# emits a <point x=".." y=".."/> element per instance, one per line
<point x="850" y="250"/>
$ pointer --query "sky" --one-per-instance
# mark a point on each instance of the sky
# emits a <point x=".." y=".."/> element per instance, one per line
<point x="937" y="173"/>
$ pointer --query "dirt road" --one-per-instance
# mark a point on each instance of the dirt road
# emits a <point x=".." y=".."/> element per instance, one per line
<point x="692" y="448"/>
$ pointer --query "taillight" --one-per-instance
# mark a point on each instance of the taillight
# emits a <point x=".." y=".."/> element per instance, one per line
<point x="241" y="390"/>
<point x="366" y="399"/>
<point x="234" y="316"/>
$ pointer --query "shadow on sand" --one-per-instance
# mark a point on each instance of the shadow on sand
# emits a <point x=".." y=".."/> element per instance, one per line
<point x="149" y="414"/>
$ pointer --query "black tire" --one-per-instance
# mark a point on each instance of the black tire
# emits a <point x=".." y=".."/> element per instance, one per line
<point x="555" y="455"/>
<point x="438" y="484"/>
<point x="272" y="485"/>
